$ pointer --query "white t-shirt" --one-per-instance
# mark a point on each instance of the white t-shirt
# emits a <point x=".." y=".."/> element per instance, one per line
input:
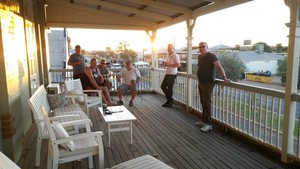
<point x="130" y="75"/>
<point x="173" y="58"/>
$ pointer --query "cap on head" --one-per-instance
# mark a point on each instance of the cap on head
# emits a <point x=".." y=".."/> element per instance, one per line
<point x="128" y="62"/>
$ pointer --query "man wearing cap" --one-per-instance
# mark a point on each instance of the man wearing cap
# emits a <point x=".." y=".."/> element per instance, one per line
<point x="131" y="76"/>
<point x="78" y="61"/>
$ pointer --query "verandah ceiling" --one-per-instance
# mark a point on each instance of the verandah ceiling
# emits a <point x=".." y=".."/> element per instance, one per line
<point x="129" y="14"/>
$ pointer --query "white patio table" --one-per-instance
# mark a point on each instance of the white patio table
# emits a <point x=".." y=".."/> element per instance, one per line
<point x="118" y="119"/>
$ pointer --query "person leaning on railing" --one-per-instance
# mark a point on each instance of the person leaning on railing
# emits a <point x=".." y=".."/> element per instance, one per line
<point x="207" y="63"/>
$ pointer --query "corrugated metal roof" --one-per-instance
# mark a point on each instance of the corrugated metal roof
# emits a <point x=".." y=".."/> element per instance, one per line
<point x="247" y="56"/>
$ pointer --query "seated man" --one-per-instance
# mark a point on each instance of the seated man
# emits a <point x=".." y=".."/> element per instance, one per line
<point x="131" y="77"/>
<point x="89" y="81"/>
<point x="105" y="73"/>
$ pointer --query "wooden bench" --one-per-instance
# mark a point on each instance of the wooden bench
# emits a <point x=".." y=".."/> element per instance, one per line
<point x="63" y="114"/>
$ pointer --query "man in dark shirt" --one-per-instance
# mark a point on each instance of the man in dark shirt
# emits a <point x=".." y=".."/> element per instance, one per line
<point x="78" y="61"/>
<point x="207" y="62"/>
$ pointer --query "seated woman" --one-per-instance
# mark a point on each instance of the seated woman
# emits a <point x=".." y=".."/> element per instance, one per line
<point x="89" y="81"/>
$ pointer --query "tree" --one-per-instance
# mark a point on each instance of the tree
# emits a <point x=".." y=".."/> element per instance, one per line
<point x="128" y="54"/>
<point x="267" y="48"/>
<point x="279" y="48"/>
<point x="237" y="47"/>
<point x="232" y="64"/>
<point x="125" y="52"/>
<point x="281" y="70"/>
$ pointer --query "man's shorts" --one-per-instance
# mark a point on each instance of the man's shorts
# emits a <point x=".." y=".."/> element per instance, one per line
<point x="124" y="87"/>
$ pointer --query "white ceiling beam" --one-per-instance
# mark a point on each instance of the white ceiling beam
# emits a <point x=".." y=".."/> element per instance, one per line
<point x="127" y="9"/>
<point x="95" y="26"/>
<point x="163" y="6"/>
<point x="217" y="6"/>
<point x="101" y="12"/>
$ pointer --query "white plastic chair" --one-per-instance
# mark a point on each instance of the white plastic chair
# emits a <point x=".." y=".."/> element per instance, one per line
<point x="68" y="113"/>
<point x="91" y="100"/>
<point x="83" y="145"/>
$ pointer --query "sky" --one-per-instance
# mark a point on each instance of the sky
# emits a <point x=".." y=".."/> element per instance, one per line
<point x="258" y="21"/>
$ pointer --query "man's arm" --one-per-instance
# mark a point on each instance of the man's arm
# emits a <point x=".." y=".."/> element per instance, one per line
<point x="221" y="70"/>
<point x="74" y="63"/>
<point x="176" y="64"/>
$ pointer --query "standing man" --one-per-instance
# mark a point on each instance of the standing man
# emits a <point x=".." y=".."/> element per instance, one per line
<point x="78" y="62"/>
<point x="171" y="64"/>
<point x="207" y="62"/>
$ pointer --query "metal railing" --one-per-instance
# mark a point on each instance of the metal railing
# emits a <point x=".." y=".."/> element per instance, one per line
<point x="252" y="111"/>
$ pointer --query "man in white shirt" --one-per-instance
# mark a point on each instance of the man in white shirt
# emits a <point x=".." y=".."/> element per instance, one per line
<point x="131" y="76"/>
<point x="171" y="64"/>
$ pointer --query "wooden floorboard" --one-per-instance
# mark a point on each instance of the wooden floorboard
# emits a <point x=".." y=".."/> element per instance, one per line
<point x="170" y="134"/>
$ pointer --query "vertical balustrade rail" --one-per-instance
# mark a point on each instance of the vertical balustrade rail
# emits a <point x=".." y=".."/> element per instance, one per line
<point x="252" y="111"/>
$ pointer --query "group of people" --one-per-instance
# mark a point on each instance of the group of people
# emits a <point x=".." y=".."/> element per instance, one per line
<point x="95" y="77"/>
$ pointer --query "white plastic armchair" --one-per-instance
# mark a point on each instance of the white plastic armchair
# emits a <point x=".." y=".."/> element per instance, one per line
<point x="80" y="146"/>
<point x="63" y="114"/>
<point x="75" y="84"/>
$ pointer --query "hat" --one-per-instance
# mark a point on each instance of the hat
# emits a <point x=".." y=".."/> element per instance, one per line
<point x="128" y="62"/>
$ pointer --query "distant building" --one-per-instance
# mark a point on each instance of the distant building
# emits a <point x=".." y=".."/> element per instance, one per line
<point x="260" y="61"/>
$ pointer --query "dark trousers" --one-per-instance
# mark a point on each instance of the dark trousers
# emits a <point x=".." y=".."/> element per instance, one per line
<point x="205" y="91"/>
<point x="167" y="86"/>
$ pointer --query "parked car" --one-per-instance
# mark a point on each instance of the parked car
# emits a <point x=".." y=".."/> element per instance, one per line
<point x="116" y="65"/>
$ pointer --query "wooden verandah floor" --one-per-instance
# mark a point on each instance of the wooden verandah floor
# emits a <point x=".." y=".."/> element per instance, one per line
<point x="169" y="133"/>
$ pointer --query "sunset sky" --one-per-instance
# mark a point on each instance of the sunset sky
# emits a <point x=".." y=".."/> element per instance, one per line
<point x="258" y="21"/>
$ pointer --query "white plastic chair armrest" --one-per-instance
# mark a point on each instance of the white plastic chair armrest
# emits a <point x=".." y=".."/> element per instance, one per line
<point x="93" y="91"/>
<point x="97" y="134"/>
<point x="77" y="122"/>
<point x="68" y="116"/>
<point x="75" y="95"/>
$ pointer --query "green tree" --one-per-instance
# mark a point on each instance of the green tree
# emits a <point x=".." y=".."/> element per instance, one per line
<point x="267" y="48"/>
<point x="126" y="53"/>
<point x="232" y="64"/>
<point x="281" y="70"/>
<point x="279" y="48"/>
<point x="237" y="47"/>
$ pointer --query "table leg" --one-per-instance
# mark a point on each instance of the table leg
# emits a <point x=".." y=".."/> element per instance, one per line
<point x="130" y="132"/>
<point x="108" y="130"/>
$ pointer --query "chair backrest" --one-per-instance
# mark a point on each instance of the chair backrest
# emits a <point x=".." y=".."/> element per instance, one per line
<point x="73" y="84"/>
<point x="35" y="102"/>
